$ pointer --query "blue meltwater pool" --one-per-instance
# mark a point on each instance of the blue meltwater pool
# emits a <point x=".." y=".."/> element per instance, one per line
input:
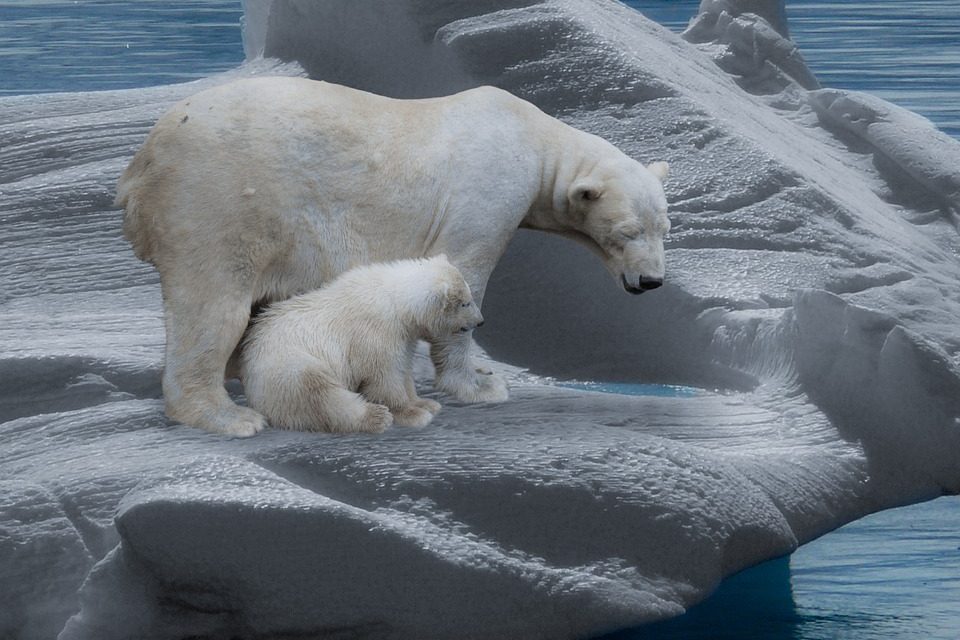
<point x="634" y="389"/>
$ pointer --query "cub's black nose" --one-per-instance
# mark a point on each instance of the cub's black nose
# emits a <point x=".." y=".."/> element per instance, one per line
<point x="650" y="283"/>
<point x="480" y="324"/>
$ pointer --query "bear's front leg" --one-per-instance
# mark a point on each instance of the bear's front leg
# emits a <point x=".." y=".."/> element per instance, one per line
<point x="459" y="376"/>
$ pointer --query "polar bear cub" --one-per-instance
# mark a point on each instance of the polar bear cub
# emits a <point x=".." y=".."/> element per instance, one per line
<point x="340" y="358"/>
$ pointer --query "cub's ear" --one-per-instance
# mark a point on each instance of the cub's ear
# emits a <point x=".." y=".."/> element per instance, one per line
<point x="584" y="189"/>
<point x="442" y="288"/>
<point x="659" y="169"/>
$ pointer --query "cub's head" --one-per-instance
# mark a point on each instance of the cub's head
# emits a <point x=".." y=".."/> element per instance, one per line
<point x="618" y="209"/>
<point x="452" y="309"/>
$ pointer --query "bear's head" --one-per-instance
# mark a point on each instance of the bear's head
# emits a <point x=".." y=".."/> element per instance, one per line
<point x="618" y="209"/>
<point x="451" y="308"/>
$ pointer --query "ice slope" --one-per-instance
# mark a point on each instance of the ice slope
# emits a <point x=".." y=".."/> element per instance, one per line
<point x="812" y="279"/>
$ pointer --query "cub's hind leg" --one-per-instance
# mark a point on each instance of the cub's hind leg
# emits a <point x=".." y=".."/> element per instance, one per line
<point x="326" y="405"/>
<point x="395" y="389"/>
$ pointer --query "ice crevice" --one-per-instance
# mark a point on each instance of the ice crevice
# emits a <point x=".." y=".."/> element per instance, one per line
<point x="817" y="321"/>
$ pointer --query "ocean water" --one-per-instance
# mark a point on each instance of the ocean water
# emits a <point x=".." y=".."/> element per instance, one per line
<point x="895" y="574"/>
<point x="904" y="52"/>
<point x="57" y="45"/>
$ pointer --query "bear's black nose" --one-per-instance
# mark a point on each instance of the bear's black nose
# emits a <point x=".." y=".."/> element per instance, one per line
<point x="480" y="324"/>
<point x="650" y="283"/>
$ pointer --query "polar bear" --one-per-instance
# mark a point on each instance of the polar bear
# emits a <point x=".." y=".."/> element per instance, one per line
<point x="306" y="361"/>
<point x="262" y="188"/>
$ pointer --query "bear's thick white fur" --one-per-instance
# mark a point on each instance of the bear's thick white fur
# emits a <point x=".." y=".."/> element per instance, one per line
<point x="340" y="358"/>
<point x="263" y="188"/>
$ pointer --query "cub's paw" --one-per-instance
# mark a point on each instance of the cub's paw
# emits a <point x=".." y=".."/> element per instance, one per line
<point x="430" y="405"/>
<point x="470" y="386"/>
<point x="375" y="419"/>
<point x="412" y="416"/>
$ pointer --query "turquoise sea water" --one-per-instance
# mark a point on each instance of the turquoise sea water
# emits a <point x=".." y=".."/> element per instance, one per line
<point x="892" y="575"/>
<point x="633" y="389"/>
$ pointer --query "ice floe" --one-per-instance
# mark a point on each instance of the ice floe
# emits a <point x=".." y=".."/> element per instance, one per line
<point x="812" y="294"/>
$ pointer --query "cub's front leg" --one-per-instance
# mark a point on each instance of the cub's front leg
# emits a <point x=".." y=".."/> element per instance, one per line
<point x="424" y="403"/>
<point x="395" y="389"/>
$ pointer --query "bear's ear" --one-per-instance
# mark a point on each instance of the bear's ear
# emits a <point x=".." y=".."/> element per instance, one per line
<point x="584" y="190"/>
<point x="659" y="169"/>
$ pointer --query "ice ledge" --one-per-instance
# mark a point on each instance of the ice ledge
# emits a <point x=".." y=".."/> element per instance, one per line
<point x="371" y="573"/>
<point x="907" y="147"/>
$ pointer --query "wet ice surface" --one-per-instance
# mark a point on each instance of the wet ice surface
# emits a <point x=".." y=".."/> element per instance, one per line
<point x="809" y="281"/>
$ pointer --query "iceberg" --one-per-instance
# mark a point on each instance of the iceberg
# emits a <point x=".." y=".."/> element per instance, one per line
<point x="811" y="298"/>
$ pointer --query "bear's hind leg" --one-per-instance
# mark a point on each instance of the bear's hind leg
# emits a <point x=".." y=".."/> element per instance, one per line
<point x="201" y="335"/>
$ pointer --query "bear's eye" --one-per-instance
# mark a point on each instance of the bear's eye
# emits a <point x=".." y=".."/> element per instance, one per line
<point x="627" y="232"/>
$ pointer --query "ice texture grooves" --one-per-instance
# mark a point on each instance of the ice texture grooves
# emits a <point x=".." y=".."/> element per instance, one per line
<point x="812" y="276"/>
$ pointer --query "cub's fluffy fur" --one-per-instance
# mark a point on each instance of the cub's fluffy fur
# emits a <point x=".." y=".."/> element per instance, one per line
<point x="340" y="358"/>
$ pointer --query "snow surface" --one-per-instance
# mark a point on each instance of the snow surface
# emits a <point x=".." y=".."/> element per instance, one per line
<point x="812" y="285"/>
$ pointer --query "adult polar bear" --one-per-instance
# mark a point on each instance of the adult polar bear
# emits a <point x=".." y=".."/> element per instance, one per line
<point x="263" y="188"/>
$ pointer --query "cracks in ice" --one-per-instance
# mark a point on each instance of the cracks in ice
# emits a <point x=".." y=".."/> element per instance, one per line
<point x="94" y="539"/>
